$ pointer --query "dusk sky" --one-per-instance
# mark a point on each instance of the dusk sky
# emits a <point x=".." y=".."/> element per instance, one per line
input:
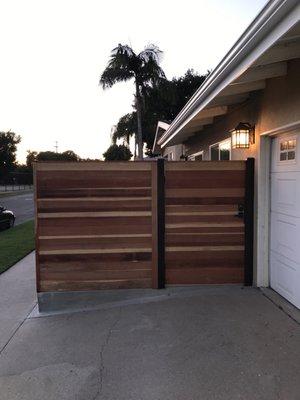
<point x="53" y="52"/>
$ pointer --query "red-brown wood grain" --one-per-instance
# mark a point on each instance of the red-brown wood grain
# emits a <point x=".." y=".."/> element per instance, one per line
<point x="94" y="225"/>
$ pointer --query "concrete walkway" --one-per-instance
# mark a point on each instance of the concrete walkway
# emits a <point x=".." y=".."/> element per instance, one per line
<point x="17" y="297"/>
<point x="208" y="343"/>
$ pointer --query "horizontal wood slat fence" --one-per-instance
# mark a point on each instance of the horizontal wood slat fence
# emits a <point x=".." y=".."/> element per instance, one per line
<point x="204" y="238"/>
<point x="107" y="225"/>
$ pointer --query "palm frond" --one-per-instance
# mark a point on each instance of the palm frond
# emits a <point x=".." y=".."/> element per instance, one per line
<point x="151" y="52"/>
<point x="151" y="72"/>
<point x="112" y="75"/>
<point x="123" y="49"/>
<point x="120" y="67"/>
<point x="126" y="127"/>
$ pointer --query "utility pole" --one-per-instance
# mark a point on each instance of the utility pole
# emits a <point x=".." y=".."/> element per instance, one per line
<point x="56" y="146"/>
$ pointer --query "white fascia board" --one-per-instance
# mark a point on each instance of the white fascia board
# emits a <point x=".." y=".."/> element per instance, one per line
<point x="275" y="19"/>
<point x="162" y="125"/>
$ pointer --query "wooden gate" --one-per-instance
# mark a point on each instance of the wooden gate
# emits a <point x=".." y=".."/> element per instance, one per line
<point x="94" y="224"/>
<point x="205" y="228"/>
<point x="106" y="225"/>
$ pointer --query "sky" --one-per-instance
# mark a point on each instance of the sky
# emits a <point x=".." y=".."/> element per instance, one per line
<point x="53" y="52"/>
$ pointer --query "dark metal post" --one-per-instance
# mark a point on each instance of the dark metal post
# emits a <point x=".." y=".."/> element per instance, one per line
<point x="161" y="222"/>
<point x="249" y="221"/>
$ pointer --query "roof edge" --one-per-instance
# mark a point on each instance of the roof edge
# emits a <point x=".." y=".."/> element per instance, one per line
<point x="266" y="28"/>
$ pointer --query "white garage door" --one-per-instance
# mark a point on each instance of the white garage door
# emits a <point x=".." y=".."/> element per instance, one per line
<point x="285" y="217"/>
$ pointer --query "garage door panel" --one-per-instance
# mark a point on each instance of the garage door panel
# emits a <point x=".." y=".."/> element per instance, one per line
<point x="285" y="218"/>
<point x="285" y="193"/>
<point x="284" y="236"/>
<point x="284" y="274"/>
<point x="276" y="164"/>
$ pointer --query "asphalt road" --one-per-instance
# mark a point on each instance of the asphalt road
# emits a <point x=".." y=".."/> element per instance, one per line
<point x="22" y="206"/>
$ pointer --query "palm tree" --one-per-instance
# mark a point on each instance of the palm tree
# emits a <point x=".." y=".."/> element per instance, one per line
<point x="125" y="64"/>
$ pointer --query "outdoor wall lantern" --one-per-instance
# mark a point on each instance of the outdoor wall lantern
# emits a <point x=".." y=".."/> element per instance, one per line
<point x="242" y="136"/>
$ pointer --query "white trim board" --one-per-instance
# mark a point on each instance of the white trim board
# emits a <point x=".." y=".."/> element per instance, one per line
<point x="282" y="129"/>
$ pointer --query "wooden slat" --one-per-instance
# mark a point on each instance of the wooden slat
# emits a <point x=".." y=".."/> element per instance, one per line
<point x="234" y="223"/>
<point x="206" y="166"/>
<point x="115" y="214"/>
<point x="94" y="204"/>
<point x="202" y="239"/>
<point x="94" y="226"/>
<point x="96" y="251"/>
<point x="84" y="285"/>
<point x="94" y="192"/>
<point x="84" y="237"/>
<point x="211" y="219"/>
<point x="192" y="276"/>
<point x="49" y="275"/>
<point x="201" y="208"/>
<point x="208" y="201"/>
<point x="204" y="248"/>
<point x="185" y="259"/>
<point x="204" y="179"/>
<point x="211" y="192"/>
<point x="203" y="228"/>
<point x="72" y="243"/>
<point x="85" y="199"/>
<point x="202" y="213"/>
<point x="93" y="166"/>
<point x="94" y="258"/>
<point x="95" y="264"/>
<point x="90" y="179"/>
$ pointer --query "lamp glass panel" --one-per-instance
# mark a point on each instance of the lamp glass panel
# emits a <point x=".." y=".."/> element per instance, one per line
<point x="233" y="139"/>
<point x="240" y="139"/>
<point x="244" y="138"/>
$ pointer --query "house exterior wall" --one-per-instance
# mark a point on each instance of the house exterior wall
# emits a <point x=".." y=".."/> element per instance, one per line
<point x="247" y="112"/>
<point x="276" y="106"/>
<point x="176" y="151"/>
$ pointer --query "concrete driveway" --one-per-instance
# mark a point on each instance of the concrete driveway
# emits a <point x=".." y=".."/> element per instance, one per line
<point x="199" y="343"/>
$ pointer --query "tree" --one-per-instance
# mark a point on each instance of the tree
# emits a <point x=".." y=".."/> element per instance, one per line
<point x="126" y="127"/>
<point x="8" y="149"/>
<point x="125" y="64"/>
<point x="160" y="102"/>
<point x="117" y="153"/>
<point x="68" y="155"/>
<point x="30" y="158"/>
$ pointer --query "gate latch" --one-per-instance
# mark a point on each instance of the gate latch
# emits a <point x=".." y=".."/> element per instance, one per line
<point x="241" y="211"/>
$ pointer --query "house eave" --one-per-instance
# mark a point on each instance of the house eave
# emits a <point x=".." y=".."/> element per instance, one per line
<point x="160" y="125"/>
<point x="275" y="19"/>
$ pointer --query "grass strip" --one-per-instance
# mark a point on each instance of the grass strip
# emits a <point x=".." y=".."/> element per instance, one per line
<point x="16" y="243"/>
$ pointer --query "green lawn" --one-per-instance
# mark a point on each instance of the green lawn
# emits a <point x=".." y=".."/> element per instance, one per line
<point x="16" y="243"/>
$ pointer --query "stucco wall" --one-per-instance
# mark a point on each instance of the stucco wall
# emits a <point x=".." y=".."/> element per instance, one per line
<point x="277" y="105"/>
<point x="177" y="151"/>
<point x="247" y="112"/>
